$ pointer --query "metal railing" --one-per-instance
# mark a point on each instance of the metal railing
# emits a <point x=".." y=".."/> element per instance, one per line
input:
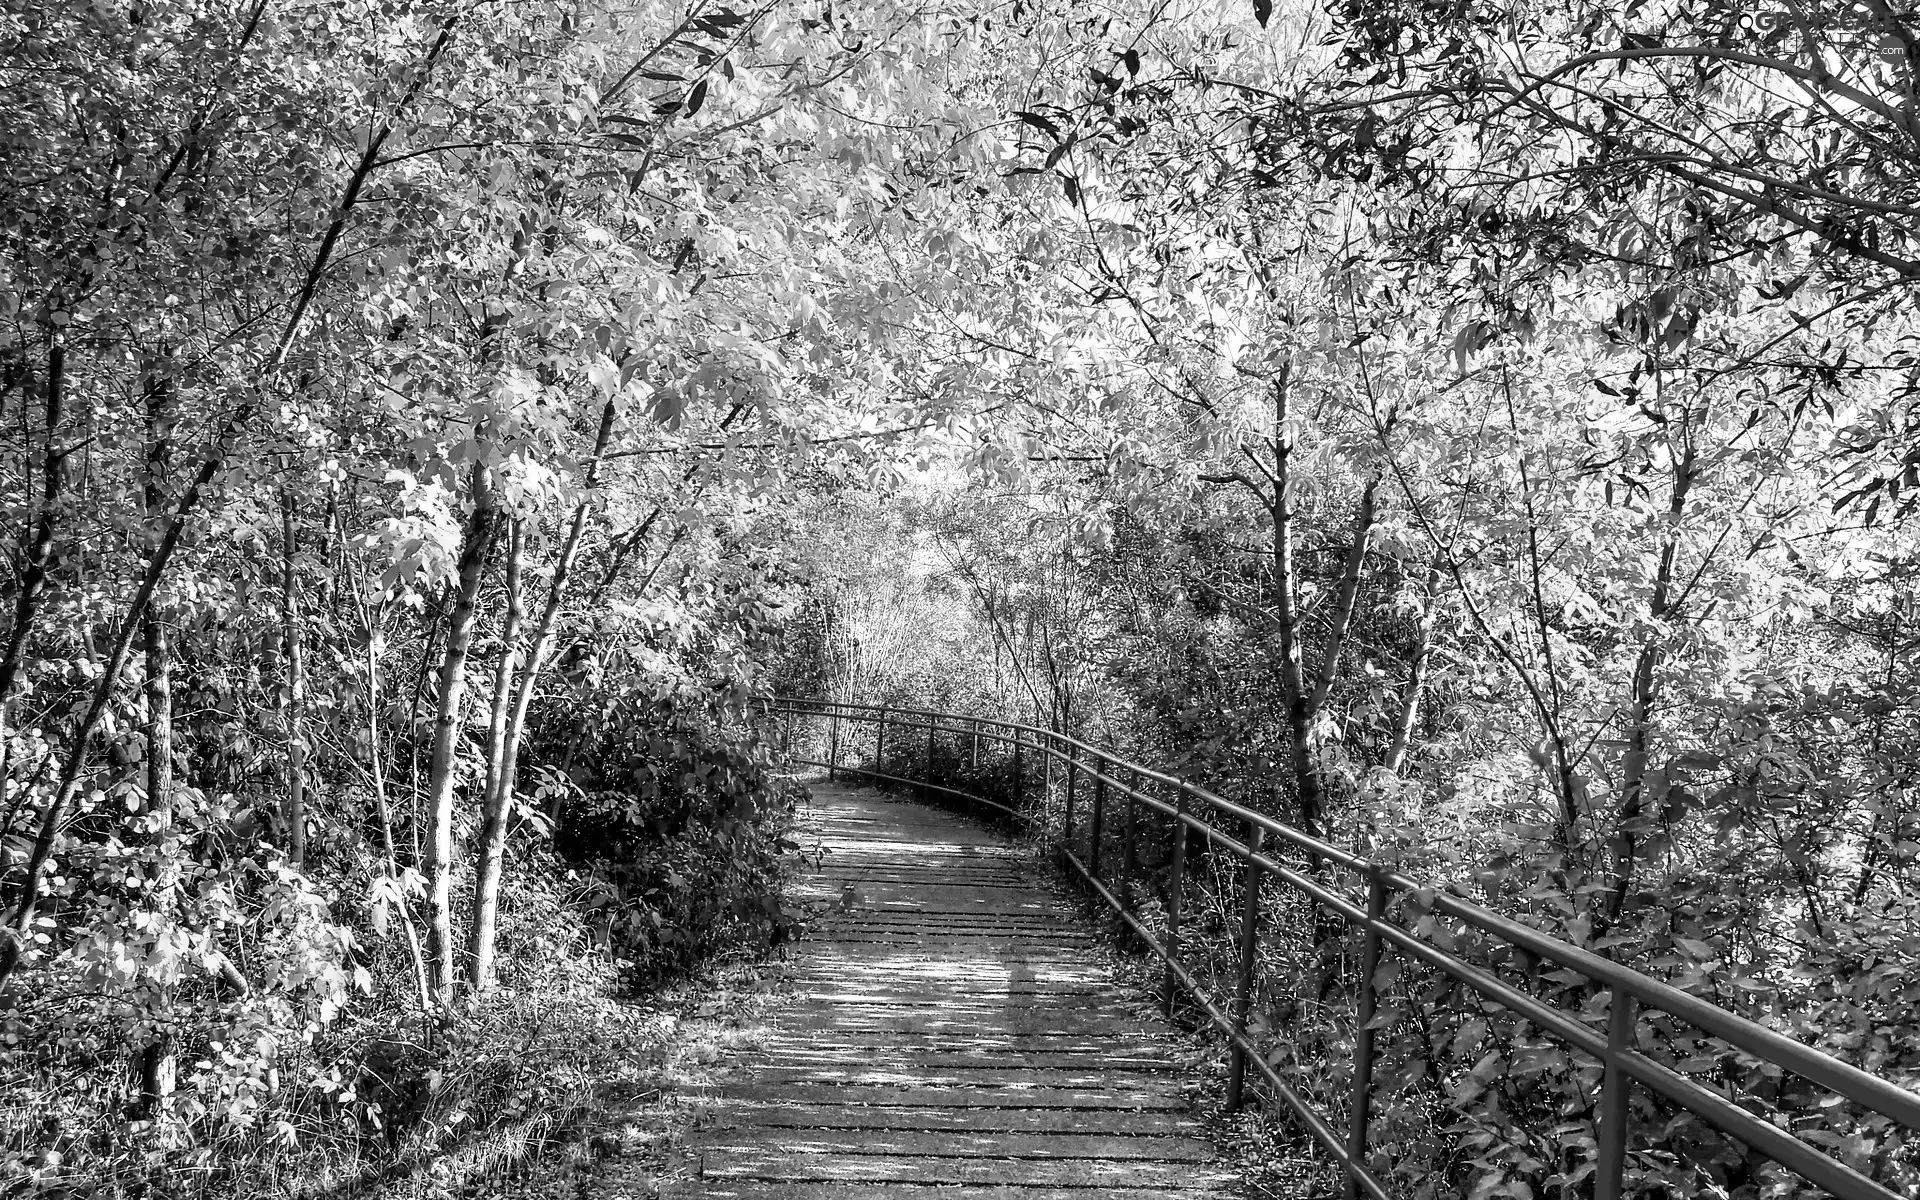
<point x="1092" y="781"/>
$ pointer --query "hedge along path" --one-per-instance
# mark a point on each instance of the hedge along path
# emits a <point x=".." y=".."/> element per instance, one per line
<point x="952" y="1035"/>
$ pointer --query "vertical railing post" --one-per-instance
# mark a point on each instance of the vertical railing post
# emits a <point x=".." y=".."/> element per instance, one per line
<point x="976" y="743"/>
<point x="926" y="776"/>
<point x="880" y="749"/>
<point x="1243" y="985"/>
<point x="1176" y="885"/>
<point x="1611" y="1169"/>
<point x="1127" y="859"/>
<point x="1099" y="816"/>
<point x="1363" y="1040"/>
<point x="786" y="733"/>
<point x="1019" y="771"/>
<point x="1073" y="777"/>
<point x="833" y="744"/>
<point x="1045" y="746"/>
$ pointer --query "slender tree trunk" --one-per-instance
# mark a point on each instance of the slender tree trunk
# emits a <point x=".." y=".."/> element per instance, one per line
<point x="618" y="559"/>
<point x="384" y="809"/>
<point x="1416" y="679"/>
<point x="53" y="482"/>
<point x="497" y="792"/>
<point x="486" y="904"/>
<point x="1870" y="847"/>
<point x="1298" y="700"/>
<point x="431" y="620"/>
<point x="293" y="714"/>
<point x="450" y="699"/>
<point x="506" y="670"/>
<point x="155" y="1062"/>
<point x="1643" y="697"/>
<point x="1345" y="597"/>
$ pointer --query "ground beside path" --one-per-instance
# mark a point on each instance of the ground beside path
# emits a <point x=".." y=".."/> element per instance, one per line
<point x="952" y="1035"/>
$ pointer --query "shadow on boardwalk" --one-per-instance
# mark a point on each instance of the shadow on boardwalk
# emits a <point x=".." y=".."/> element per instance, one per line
<point x="952" y="1035"/>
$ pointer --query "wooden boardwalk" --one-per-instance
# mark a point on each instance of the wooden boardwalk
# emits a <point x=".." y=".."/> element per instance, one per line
<point x="953" y="1036"/>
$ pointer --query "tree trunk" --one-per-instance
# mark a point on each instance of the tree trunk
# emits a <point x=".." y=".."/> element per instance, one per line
<point x="293" y="714"/>
<point x="1643" y="697"/>
<point x="53" y="488"/>
<point x="1307" y="797"/>
<point x="1416" y="680"/>
<point x="486" y="903"/>
<point x="384" y="809"/>
<point x="497" y="792"/>
<point x="155" y="1061"/>
<point x="1345" y="598"/>
<point x="506" y="670"/>
<point x="450" y="698"/>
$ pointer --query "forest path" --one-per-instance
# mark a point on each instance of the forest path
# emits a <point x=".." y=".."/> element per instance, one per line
<point x="951" y="1027"/>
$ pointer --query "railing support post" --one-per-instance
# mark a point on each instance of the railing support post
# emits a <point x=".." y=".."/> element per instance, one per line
<point x="976" y="744"/>
<point x="926" y="776"/>
<point x="1019" y="771"/>
<point x="1363" y="1036"/>
<point x="1045" y="747"/>
<point x="833" y="745"/>
<point x="1073" y="777"/>
<point x="1243" y="985"/>
<point x="1610" y="1171"/>
<point x="1127" y="858"/>
<point x="1176" y="886"/>
<point x="1099" y="816"/>
<point x="880" y="749"/>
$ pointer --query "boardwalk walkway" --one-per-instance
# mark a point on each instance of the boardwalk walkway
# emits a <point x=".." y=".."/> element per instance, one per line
<point x="953" y="1036"/>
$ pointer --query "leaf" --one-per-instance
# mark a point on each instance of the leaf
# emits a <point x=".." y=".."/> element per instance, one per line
<point x="716" y="23"/>
<point x="696" y="97"/>
<point x="1386" y="1018"/>
<point x="1131" y="60"/>
<point x="1041" y="123"/>
<point x="1072" y="189"/>
<point x="1262" y="9"/>
<point x="1701" y="951"/>
<point x="1471" y="338"/>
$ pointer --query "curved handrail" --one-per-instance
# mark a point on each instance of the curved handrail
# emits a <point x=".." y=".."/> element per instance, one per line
<point x="1621" y="1061"/>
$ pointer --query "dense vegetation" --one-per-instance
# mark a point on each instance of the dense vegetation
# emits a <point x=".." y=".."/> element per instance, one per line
<point x="1486" y="434"/>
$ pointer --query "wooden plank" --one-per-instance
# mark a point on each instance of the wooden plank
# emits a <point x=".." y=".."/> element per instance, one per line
<point x="1106" y="1123"/>
<point x="1089" y="1074"/>
<point x="1001" y="1045"/>
<point x="894" y="1058"/>
<point x="730" y="1162"/>
<point x="1137" y="1100"/>
<point x="972" y="1024"/>
<point x="960" y="1143"/>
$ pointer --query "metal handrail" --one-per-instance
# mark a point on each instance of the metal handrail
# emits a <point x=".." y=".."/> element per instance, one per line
<point x="1622" y="1064"/>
